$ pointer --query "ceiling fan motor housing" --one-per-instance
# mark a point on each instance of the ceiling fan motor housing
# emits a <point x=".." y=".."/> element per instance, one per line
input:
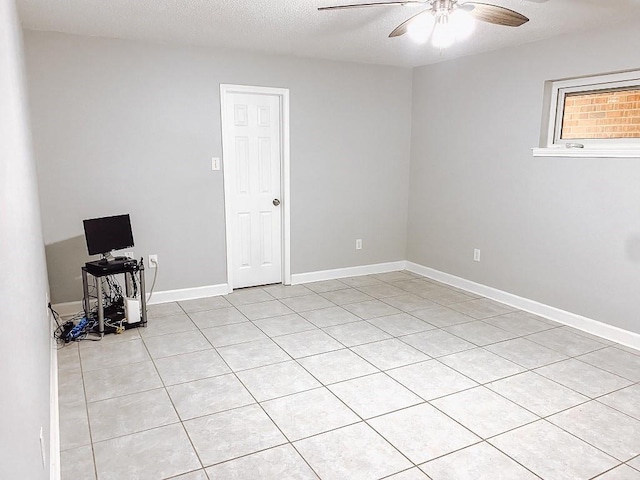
<point x="443" y="7"/>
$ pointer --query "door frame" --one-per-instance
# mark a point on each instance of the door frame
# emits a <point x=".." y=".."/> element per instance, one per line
<point x="283" y="96"/>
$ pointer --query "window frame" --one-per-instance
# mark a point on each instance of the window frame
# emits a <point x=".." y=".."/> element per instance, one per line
<point x="557" y="90"/>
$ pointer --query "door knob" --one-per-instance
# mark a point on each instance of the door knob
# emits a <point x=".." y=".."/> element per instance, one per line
<point x="276" y="202"/>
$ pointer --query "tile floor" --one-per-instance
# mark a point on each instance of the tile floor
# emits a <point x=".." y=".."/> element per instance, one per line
<point x="381" y="376"/>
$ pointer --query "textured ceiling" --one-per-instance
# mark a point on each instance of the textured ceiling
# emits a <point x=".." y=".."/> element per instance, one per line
<point x="295" y="27"/>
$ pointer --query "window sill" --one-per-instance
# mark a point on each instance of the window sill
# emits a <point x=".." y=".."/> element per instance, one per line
<point x="586" y="152"/>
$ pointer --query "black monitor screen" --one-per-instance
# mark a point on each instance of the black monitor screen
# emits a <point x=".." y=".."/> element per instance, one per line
<point x="108" y="233"/>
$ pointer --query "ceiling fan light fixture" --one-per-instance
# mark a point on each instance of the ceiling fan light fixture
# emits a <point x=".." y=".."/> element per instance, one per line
<point x="443" y="35"/>
<point x="462" y="24"/>
<point x="420" y="29"/>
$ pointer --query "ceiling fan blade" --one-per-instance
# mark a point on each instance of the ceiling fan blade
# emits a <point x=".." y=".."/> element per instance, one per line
<point x="377" y="4"/>
<point x="494" y="14"/>
<point x="404" y="26"/>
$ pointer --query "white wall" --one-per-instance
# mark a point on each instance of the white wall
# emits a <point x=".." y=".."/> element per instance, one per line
<point x="562" y="231"/>
<point x="25" y="348"/>
<point x="123" y="126"/>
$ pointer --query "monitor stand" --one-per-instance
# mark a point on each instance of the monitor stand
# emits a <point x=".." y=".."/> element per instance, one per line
<point x="106" y="258"/>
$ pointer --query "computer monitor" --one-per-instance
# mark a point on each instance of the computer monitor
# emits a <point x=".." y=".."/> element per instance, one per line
<point x="106" y="234"/>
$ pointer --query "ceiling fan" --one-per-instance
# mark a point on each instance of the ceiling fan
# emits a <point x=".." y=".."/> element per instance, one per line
<point x="453" y="20"/>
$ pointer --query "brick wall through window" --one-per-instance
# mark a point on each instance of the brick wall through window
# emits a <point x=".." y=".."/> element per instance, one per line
<point x="601" y="114"/>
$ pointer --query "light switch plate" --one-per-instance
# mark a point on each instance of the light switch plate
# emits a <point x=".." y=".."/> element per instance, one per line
<point x="215" y="163"/>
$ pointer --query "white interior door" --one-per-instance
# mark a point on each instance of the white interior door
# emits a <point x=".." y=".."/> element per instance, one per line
<point x="252" y="168"/>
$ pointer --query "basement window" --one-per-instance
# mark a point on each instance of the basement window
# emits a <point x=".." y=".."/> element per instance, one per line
<point x="592" y="117"/>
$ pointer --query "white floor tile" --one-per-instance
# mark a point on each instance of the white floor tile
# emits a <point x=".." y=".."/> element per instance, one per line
<point x="390" y="354"/>
<point x="355" y="452"/>
<point x="374" y="395"/>
<point x="401" y="324"/>
<point x="481" y="365"/>
<point x="203" y="304"/>
<point x="274" y="464"/>
<point x="191" y="366"/>
<point x="224" y="436"/>
<point x="620" y="473"/>
<point x="626" y="401"/>
<point x="477" y="462"/>
<point x="521" y="323"/>
<point x="287" y="291"/>
<point x="411" y="474"/>
<point x="603" y="427"/>
<point x="382" y="290"/>
<point x="116" y="382"/>
<point x="565" y="341"/>
<point x="431" y="379"/>
<point x="583" y="378"/>
<point x="233" y="334"/>
<point x="526" y="353"/>
<point x="77" y="463"/>
<point x="437" y="343"/>
<point x="371" y="309"/>
<point x="422" y="432"/>
<point x="553" y="453"/>
<point x="208" y="396"/>
<point x="159" y="453"/>
<point x="176" y="344"/>
<point x="284" y="325"/>
<point x="337" y="366"/>
<point x="307" y="302"/>
<point x="74" y="426"/>
<point x="246" y="296"/>
<point x="216" y="318"/>
<point x="308" y="343"/>
<point x="356" y="333"/>
<point x="277" y="380"/>
<point x="98" y="355"/>
<point x="328" y="317"/>
<point x="135" y="413"/>
<point x="326" y="286"/>
<point x="482" y="308"/>
<point x="309" y="413"/>
<point x="162" y="309"/>
<point x="442" y="316"/>
<point x="197" y="475"/>
<point x="408" y="302"/>
<point x="479" y="333"/>
<point x="350" y="295"/>
<point x="167" y="325"/>
<point x="616" y="361"/>
<point x="253" y="354"/>
<point x="484" y="412"/>
<point x="257" y="311"/>
<point x="537" y="393"/>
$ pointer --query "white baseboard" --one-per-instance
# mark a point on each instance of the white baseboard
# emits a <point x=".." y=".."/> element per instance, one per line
<point x="189" y="293"/>
<point x="54" y="415"/>
<point x="71" y="308"/>
<point x="604" y="330"/>
<point x="298" y="278"/>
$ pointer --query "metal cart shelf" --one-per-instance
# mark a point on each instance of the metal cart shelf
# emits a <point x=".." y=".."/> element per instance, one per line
<point x="130" y="272"/>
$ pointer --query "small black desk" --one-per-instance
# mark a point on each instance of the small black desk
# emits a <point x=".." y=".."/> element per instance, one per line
<point x="134" y="268"/>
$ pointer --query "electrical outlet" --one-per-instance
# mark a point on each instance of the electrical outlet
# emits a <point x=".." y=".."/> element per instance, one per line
<point x="153" y="261"/>
<point x="215" y="163"/>
<point x="476" y="254"/>
<point x="128" y="254"/>
<point x="359" y="244"/>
